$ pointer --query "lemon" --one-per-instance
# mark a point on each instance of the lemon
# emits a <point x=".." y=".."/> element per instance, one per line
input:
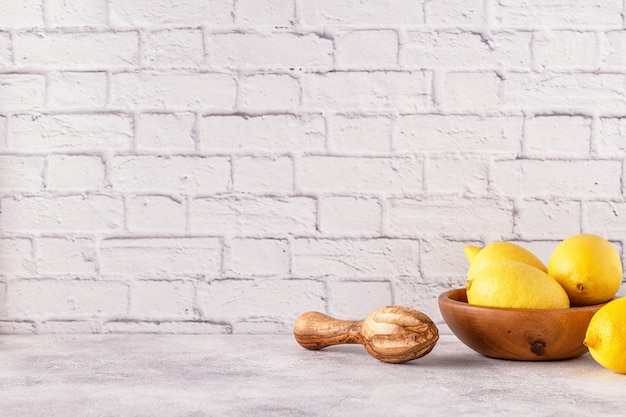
<point x="503" y="251"/>
<point x="514" y="285"/>
<point x="500" y="252"/>
<point x="588" y="267"/>
<point x="471" y="252"/>
<point x="606" y="335"/>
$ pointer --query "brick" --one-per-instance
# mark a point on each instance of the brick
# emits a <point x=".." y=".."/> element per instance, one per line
<point x="278" y="299"/>
<point x="354" y="300"/>
<point x="274" y="50"/>
<point x="6" y="53"/>
<point x="162" y="299"/>
<point x="173" y="48"/>
<point x="71" y="131"/>
<point x="456" y="49"/>
<point x="68" y="299"/>
<point x="342" y="174"/>
<point x="565" y="49"/>
<point x="358" y="134"/>
<point x="411" y="292"/>
<point x="543" y="248"/>
<point x="366" y="48"/>
<point x="156" y="214"/>
<point x="253" y="257"/>
<point x="62" y="169"/>
<point x="548" y="218"/>
<point x="147" y="91"/>
<point x="610" y="137"/>
<point x="78" y="50"/>
<point x="160" y="257"/>
<point x="557" y="13"/>
<point x="262" y="325"/>
<point x="77" y="89"/>
<point x="457" y="174"/>
<point x="17" y="327"/>
<point x="3" y="310"/>
<point x="466" y="218"/>
<point x="66" y="255"/>
<point x="170" y="174"/>
<point x="16" y="257"/>
<point x="276" y="13"/>
<point x="21" y="14"/>
<point x="443" y="258"/>
<point x="613" y="52"/>
<point x="263" y="174"/>
<point x="67" y="327"/>
<point x="246" y="214"/>
<point x="77" y="13"/>
<point x="349" y="215"/>
<point x="367" y="91"/>
<point x="3" y="132"/>
<point x="454" y="13"/>
<point x="558" y="134"/>
<point x="355" y="258"/>
<point x="471" y="91"/>
<point x="21" y="173"/>
<point x="170" y="13"/>
<point x="570" y="178"/>
<point x="346" y="12"/>
<point x="166" y="132"/>
<point x="96" y="213"/>
<point x="268" y="133"/>
<point x="604" y="218"/>
<point x="166" y="327"/>
<point x="269" y="91"/>
<point x="22" y="92"/>
<point x="564" y="90"/>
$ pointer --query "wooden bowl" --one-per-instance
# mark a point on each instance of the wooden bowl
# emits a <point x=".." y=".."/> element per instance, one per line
<point x="517" y="334"/>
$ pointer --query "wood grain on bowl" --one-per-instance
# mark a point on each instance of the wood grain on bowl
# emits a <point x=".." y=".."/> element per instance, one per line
<point x="517" y="334"/>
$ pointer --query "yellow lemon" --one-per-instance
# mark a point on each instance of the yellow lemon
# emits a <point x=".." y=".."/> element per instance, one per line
<point x="471" y="252"/>
<point x="503" y="251"/>
<point x="588" y="267"/>
<point x="514" y="285"/>
<point x="500" y="252"/>
<point x="606" y="335"/>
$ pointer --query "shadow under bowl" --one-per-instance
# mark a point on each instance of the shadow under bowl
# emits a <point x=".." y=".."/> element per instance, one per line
<point x="515" y="333"/>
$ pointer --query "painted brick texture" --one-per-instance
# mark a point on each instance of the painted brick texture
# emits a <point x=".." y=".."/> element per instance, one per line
<point x="223" y="166"/>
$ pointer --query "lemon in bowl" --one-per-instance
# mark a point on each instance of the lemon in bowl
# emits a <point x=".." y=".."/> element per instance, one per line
<point x="501" y="252"/>
<point x="513" y="285"/>
<point x="588" y="267"/>
<point x="514" y="307"/>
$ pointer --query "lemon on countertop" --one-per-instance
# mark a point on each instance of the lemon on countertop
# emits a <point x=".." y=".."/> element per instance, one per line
<point x="606" y="335"/>
<point x="513" y="285"/>
<point x="588" y="267"/>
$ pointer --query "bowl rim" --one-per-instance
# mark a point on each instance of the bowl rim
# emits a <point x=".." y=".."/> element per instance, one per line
<point x="444" y="297"/>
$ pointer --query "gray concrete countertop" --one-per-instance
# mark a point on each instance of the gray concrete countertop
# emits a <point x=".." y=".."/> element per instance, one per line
<point x="233" y="375"/>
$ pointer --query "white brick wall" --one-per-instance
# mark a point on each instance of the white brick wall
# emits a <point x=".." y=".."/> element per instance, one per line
<point x="222" y="166"/>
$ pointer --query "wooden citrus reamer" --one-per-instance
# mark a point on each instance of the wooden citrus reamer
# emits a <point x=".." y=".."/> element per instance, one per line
<point x="393" y="334"/>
